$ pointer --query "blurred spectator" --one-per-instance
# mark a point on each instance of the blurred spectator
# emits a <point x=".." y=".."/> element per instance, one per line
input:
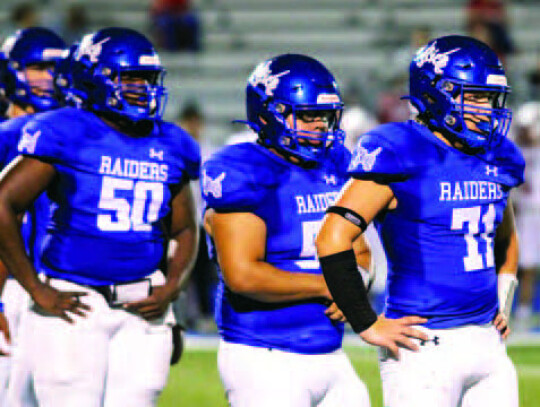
<point x="24" y="15"/>
<point x="534" y="80"/>
<point x="490" y="16"/>
<point x="175" y="25"/>
<point x="401" y="58"/>
<point x="390" y="105"/>
<point x="527" y="203"/>
<point x="75" y="23"/>
<point x="203" y="282"/>
<point x="356" y="121"/>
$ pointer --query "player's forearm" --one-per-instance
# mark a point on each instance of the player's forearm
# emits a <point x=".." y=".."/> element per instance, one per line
<point x="12" y="250"/>
<point x="263" y="282"/>
<point x="3" y="276"/>
<point x="506" y="243"/>
<point x="181" y="257"/>
<point x="508" y="263"/>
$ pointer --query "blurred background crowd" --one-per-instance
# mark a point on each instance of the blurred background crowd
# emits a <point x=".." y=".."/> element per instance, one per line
<point x="209" y="47"/>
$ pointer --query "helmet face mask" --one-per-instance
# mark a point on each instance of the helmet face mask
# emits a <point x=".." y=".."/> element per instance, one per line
<point x="27" y="66"/>
<point x="293" y="103"/>
<point x="459" y="88"/>
<point x="117" y="70"/>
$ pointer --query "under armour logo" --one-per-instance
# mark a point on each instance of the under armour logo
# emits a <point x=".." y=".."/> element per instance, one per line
<point x="156" y="154"/>
<point x="435" y="341"/>
<point x="28" y="141"/>
<point x="212" y="186"/>
<point x="330" y="179"/>
<point x="491" y="170"/>
<point x="365" y="158"/>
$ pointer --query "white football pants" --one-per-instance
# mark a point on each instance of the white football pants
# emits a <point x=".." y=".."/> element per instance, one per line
<point x="110" y="358"/>
<point x="460" y="367"/>
<point x="15" y="376"/>
<point x="260" y="377"/>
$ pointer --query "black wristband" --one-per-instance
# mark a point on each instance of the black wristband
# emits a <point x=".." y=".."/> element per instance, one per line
<point x="347" y="288"/>
<point x="349" y="215"/>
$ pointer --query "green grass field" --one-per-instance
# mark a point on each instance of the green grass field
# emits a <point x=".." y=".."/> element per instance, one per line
<point x="195" y="381"/>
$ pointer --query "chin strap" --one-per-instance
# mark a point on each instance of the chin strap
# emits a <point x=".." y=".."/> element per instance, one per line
<point x="506" y="287"/>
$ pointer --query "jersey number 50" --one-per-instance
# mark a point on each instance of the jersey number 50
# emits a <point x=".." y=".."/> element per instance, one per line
<point x="129" y="214"/>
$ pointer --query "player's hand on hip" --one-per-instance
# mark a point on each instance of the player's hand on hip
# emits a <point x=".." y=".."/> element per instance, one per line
<point x="155" y="305"/>
<point x="501" y="323"/>
<point x="5" y="337"/>
<point x="59" y="303"/>
<point x="334" y="313"/>
<point x="395" y="333"/>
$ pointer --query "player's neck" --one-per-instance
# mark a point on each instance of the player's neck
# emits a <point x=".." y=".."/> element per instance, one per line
<point x="127" y="127"/>
<point x="14" y="110"/>
<point x="456" y="144"/>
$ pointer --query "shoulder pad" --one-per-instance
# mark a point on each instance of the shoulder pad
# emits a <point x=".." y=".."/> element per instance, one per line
<point x="339" y="160"/>
<point x="237" y="178"/>
<point x="393" y="152"/>
<point x="10" y="132"/>
<point x="510" y="161"/>
<point x="40" y="137"/>
<point x="188" y="149"/>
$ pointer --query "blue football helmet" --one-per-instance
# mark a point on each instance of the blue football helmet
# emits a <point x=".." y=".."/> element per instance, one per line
<point x="25" y="48"/>
<point x="63" y="79"/>
<point x="446" y="69"/>
<point x="102" y="66"/>
<point x="292" y="84"/>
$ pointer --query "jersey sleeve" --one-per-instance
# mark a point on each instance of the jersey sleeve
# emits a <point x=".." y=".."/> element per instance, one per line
<point x="191" y="155"/>
<point x="375" y="158"/>
<point x="229" y="188"/>
<point x="513" y="164"/>
<point x="186" y="149"/>
<point x="340" y="158"/>
<point x="40" y="140"/>
<point x="6" y="138"/>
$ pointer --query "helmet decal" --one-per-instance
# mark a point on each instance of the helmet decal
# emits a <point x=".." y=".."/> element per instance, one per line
<point x="263" y="76"/>
<point x="88" y="48"/>
<point x="430" y="54"/>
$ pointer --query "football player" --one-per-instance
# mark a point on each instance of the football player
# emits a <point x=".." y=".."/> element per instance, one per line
<point x="118" y="178"/>
<point x="281" y="334"/>
<point x="438" y="188"/>
<point x="27" y="63"/>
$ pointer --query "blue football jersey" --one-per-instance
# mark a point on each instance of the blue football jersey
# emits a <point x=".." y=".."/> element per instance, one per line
<point x="291" y="201"/>
<point x="439" y="241"/>
<point x="36" y="218"/>
<point x="110" y="196"/>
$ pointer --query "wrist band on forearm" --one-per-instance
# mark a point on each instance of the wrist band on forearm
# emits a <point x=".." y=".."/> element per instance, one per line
<point x="348" y="290"/>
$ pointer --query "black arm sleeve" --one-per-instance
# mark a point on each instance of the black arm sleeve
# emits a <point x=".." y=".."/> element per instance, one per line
<point x="347" y="288"/>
